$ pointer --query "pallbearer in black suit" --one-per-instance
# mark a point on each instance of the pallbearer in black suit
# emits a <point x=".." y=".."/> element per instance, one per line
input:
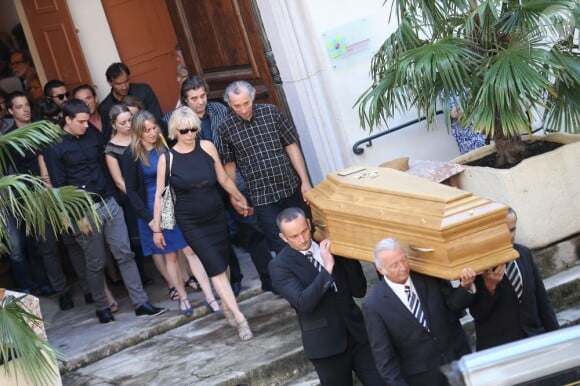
<point x="511" y="301"/>
<point x="407" y="319"/>
<point x="320" y="287"/>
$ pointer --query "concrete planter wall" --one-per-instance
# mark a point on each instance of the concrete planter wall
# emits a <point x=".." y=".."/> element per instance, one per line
<point x="543" y="190"/>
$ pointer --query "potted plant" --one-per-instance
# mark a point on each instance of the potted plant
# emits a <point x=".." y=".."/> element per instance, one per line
<point x="502" y="61"/>
<point x="25" y="357"/>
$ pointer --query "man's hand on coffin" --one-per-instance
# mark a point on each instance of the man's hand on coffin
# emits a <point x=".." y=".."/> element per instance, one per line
<point x="467" y="278"/>
<point x="492" y="277"/>
<point x="327" y="257"/>
<point x="305" y="187"/>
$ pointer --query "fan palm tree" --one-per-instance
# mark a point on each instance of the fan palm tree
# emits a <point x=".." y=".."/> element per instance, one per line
<point x="503" y="61"/>
<point x="32" y="203"/>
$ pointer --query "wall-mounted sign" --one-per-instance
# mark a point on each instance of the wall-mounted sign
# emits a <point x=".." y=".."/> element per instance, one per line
<point x="348" y="43"/>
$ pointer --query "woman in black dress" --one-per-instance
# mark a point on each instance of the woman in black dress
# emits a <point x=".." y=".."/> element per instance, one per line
<point x="195" y="172"/>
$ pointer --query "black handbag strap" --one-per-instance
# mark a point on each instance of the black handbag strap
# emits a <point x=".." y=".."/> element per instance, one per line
<point x="168" y="159"/>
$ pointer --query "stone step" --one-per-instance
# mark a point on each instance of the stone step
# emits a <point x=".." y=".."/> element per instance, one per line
<point x="174" y="350"/>
<point x="557" y="257"/>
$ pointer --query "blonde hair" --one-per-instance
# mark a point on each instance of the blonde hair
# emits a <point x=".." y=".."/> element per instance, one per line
<point x="137" y="130"/>
<point x="182" y="116"/>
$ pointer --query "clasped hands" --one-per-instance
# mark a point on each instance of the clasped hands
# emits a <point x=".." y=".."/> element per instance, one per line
<point x="241" y="206"/>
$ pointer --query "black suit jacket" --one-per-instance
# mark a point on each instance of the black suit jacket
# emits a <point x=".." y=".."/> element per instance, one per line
<point x="500" y="318"/>
<point x="325" y="316"/>
<point x="405" y="352"/>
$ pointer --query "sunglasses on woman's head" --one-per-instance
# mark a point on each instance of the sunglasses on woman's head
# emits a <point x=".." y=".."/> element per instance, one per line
<point x="62" y="96"/>
<point x="185" y="131"/>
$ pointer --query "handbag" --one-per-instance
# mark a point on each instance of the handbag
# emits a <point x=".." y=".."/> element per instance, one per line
<point x="168" y="198"/>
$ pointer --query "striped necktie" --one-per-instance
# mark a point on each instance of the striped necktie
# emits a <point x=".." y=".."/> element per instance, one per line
<point x="515" y="277"/>
<point x="415" y="306"/>
<point x="318" y="267"/>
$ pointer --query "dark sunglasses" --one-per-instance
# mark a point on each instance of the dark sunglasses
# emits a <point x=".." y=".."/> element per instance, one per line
<point x="185" y="131"/>
<point x="62" y="96"/>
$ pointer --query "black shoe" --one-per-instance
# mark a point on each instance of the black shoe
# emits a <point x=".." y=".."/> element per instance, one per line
<point x="237" y="288"/>
<point x="65" y="301"/>
<point x="89" y="298"/>
<point x="105" y="316"/>
<point x="148" y="309"/>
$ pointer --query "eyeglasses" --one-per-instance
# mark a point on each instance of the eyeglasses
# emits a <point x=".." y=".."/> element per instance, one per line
<point x="62" y="96"/>
<point x="185" y="131"/>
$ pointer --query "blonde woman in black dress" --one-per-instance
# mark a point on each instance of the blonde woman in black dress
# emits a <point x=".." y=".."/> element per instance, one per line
<point x="195" y="173"/>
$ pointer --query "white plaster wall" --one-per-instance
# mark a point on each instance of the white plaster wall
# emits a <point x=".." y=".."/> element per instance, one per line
<point x="323" y="97"/>
<point x="96" y="40"/>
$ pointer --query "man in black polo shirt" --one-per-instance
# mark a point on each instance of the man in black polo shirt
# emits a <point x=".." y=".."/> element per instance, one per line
<point x="118" y="76"/>
<point x="78" y="160"/>
<point x="263" y="144"/>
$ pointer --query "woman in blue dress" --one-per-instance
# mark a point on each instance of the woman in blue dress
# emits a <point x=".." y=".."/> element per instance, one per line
<point x="140" y="171"/>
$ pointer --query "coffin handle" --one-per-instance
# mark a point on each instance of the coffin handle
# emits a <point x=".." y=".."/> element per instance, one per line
<point x="318" y="224"/>
<point x="421" y="249"/>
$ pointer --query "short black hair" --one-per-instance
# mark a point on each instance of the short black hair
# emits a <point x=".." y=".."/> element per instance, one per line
<point x="115" y="70"/>
<point x="51" y="84"/>
<point x="84" y="87"/>
<point x="48" y="110"/>
<point x="192" y="83"/>
<point x="72" y="107"/>
<point x="15" y="94"/>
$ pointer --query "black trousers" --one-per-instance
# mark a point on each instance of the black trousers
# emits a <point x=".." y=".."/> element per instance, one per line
<point x="337" y="369"/>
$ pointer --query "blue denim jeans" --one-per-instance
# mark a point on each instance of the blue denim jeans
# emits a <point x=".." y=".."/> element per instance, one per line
<point x="112" y="231"/>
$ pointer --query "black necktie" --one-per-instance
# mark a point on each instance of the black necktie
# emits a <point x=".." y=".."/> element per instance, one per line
<point x="415" y="306"/>
<point x="318" y="267"/>
<point x="515" y="277"/>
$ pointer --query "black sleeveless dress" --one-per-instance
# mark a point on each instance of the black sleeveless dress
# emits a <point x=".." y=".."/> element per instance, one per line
<point x="199" y="209"/>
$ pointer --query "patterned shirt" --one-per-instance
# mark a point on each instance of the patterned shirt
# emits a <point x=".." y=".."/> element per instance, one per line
<point x="258" y="149"/>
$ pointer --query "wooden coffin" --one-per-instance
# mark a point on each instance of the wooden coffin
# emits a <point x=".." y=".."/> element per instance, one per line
<point x="444" y="229"/>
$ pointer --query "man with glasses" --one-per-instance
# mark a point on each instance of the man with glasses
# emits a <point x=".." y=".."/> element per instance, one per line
<point x="55" y="89"/>
<point x="22" y="67"/>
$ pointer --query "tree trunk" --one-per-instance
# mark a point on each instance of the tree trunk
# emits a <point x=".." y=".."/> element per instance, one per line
<point x="510" y="150"/>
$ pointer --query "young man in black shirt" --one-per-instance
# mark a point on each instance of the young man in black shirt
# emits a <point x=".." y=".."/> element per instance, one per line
<point x="78" y="160"/>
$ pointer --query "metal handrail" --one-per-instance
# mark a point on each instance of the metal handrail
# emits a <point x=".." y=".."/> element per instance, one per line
<point x="358" y="151"/>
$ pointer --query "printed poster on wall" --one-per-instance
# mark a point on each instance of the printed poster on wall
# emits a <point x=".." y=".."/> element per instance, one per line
<point x="348" y="43"/>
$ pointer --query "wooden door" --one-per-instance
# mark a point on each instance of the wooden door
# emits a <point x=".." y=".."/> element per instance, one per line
<point x="146" y="41"/>
<point x="57" y="42"/>
<point x="222" y="41"/>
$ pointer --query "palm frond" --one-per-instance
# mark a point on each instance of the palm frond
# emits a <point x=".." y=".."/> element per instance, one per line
<point x="32" y="138"/>
<point x="30" y="202"/>
<point x="35" y="355"/>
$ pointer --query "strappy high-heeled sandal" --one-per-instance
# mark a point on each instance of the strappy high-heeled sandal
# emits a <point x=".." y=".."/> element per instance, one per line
<point x="173" y="295"/>
<point x="185" y="307"/>
<point x="244" y="331"/>
<point x="230" y="318"/>
<point x="210" y="308"/>
<point x="192" y="283"/>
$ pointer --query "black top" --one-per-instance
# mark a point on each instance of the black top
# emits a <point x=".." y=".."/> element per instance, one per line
<point x="79" y="161"/>
<point x="141" y="91"/>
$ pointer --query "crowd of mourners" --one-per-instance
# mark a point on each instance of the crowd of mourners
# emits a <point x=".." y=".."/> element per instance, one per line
<point x="239" y="177"/>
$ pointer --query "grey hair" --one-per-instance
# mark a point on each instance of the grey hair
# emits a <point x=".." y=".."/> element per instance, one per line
<point x="388" y="244"/>
<point x="512" y="211"/>
<point x="237" y="87"/>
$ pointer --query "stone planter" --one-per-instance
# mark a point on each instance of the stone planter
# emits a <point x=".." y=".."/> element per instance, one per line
<point x="544" y="190"/>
